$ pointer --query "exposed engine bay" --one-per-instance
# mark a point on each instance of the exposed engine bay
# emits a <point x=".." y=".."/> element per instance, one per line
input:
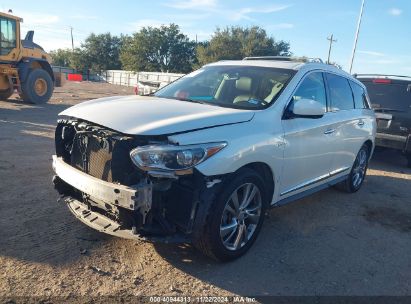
<point x="98" y="180"/>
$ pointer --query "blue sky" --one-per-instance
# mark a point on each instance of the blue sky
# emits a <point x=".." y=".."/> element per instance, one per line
<point x="384" y="44"/>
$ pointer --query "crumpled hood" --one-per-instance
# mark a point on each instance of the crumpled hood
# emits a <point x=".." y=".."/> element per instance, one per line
<point x="141" y="115"/>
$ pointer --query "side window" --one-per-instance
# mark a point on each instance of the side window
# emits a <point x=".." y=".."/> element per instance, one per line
<point x="7" y="35"/>
<point x="312" y="87"/>
<point x="360" y="99"/>
<point x="340" y="93"/>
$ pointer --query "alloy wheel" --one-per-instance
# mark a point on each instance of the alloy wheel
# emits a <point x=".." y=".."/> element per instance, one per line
<point x="360" y="167"/>
<point x="241" y="216"/>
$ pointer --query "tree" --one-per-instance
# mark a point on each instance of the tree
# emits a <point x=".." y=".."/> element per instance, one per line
<point x="61" y="57"/>
<point x="103" y="51"/>
<point x="79" y="60"/>
<point x="238" y="42"/>
<point x="163" y="49"/>
<point x="76" y="59"/>
<point x="98" y="53"/>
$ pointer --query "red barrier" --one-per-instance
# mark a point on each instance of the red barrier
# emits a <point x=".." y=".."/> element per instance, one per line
<point x="75" y="77"/>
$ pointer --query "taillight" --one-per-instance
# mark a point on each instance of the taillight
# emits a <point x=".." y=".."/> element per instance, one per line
<point x="382" y="81"/>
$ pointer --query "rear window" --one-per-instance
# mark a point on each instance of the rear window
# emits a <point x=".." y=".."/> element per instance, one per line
<point x="391" y="96"/>
<point x="360" y="99"/>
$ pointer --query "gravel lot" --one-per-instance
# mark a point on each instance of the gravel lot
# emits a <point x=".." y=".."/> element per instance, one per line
<point x="331" y="243"/>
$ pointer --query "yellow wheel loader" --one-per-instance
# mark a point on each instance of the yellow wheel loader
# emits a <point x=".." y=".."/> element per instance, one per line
<point x="24" y="65"/>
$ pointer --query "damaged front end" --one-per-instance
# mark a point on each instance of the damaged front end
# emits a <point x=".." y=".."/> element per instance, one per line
<point x="129" y="196"/>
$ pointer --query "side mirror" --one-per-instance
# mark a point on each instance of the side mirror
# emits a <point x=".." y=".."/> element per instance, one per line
<point x="307" y="108"/>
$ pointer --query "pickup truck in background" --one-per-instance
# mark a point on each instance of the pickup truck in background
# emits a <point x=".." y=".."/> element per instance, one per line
<point x="391" y="99"/>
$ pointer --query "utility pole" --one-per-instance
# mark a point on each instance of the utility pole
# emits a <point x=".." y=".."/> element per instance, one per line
<point x="356" y="35"/>
<point x="331" y="45"/>
<point x="72" y="40"/>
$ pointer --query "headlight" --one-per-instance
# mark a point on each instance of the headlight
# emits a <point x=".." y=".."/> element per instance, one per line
<point x="169" y="157"/>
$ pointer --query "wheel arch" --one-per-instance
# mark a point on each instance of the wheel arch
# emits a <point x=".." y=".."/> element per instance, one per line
<point x="369" y="144"/>
<point x="266" y="174"/>
<point x="30" y="64"/>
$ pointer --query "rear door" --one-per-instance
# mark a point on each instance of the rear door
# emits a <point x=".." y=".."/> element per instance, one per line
<point x="351" y="125"/>
<point x="391" y="100"/>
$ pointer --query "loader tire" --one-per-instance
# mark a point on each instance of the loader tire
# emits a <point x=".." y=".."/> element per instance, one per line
<point x="5" y="94"/>
<point x="38" y="87"/>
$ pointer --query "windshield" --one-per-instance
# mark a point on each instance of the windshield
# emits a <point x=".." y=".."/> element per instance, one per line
<point x="243" y="87"/>
<point x="7" y="35"/>
<point x="390" y="96"/>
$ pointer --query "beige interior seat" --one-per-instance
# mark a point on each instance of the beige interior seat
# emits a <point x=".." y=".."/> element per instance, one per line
<point x="275" y="90"/>
<point x="243" y="84"/>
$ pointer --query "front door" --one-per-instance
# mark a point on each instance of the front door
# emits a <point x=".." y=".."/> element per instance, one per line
<point x="308" y="152"/>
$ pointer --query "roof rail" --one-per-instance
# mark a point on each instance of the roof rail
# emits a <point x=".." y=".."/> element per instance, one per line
<point x="285" y="58"/>
<point x="380" y="75"/>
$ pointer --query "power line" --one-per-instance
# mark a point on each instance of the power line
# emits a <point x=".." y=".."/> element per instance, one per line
<point x="331" y="45"/>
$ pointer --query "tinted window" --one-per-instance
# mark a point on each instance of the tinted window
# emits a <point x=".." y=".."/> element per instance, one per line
<point x="394" y="96"/>
<point x="312" y="87"/>
<point x="340" y="93"/>
<point x="360" y="100"/>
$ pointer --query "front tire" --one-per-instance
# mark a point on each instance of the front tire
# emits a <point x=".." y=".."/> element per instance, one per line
<point x="358" y="172"/>
<point x="38" y="87"/>
<point x="235" y="217"/>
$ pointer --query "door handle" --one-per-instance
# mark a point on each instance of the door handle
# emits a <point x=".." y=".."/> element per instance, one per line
<point x="361" y="123"/>
<point x="329" y="131"/>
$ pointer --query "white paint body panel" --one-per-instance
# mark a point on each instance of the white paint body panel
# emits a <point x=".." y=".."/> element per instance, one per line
<point x="144" y="115"/>
<point x="296" y="150"/>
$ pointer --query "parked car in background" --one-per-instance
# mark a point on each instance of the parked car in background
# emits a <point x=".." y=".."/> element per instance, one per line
<point x="147" y="88"/>
<point x="202" y="159"/>
<point x="391" y="99"/>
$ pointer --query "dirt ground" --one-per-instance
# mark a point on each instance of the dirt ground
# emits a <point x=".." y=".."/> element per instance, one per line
<point x="330" y="243"/>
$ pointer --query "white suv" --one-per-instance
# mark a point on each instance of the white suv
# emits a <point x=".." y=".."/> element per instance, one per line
<point x="203" y="159"/>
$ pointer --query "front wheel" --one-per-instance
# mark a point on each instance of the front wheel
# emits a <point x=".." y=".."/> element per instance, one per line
<point x="38" y="87"/>
<point x="235" y="218"/>
<point x="358" y="172"/>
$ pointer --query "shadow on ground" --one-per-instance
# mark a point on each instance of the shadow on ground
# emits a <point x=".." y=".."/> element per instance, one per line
<point x="327" y="244"/>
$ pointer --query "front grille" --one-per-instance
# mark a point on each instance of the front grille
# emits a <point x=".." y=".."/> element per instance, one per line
<point x="106" y="158"/>
<point x="93" y="155"/>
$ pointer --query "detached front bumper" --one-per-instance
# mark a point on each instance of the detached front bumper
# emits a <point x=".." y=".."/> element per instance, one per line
<point x="133" y="198"/>
<point x="136" y="200"/>
<point x="163" y="210"/>
<point x="104" y="224"/>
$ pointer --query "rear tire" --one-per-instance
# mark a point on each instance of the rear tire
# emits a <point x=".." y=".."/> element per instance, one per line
<point x="38" y="87"/>
<point x="231" y="228"/>
<point x="6" y="94"/>
<point x="358" y="172"/>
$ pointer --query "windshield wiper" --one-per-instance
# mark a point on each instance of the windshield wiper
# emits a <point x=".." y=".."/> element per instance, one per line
<point x="191" y="100"/>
